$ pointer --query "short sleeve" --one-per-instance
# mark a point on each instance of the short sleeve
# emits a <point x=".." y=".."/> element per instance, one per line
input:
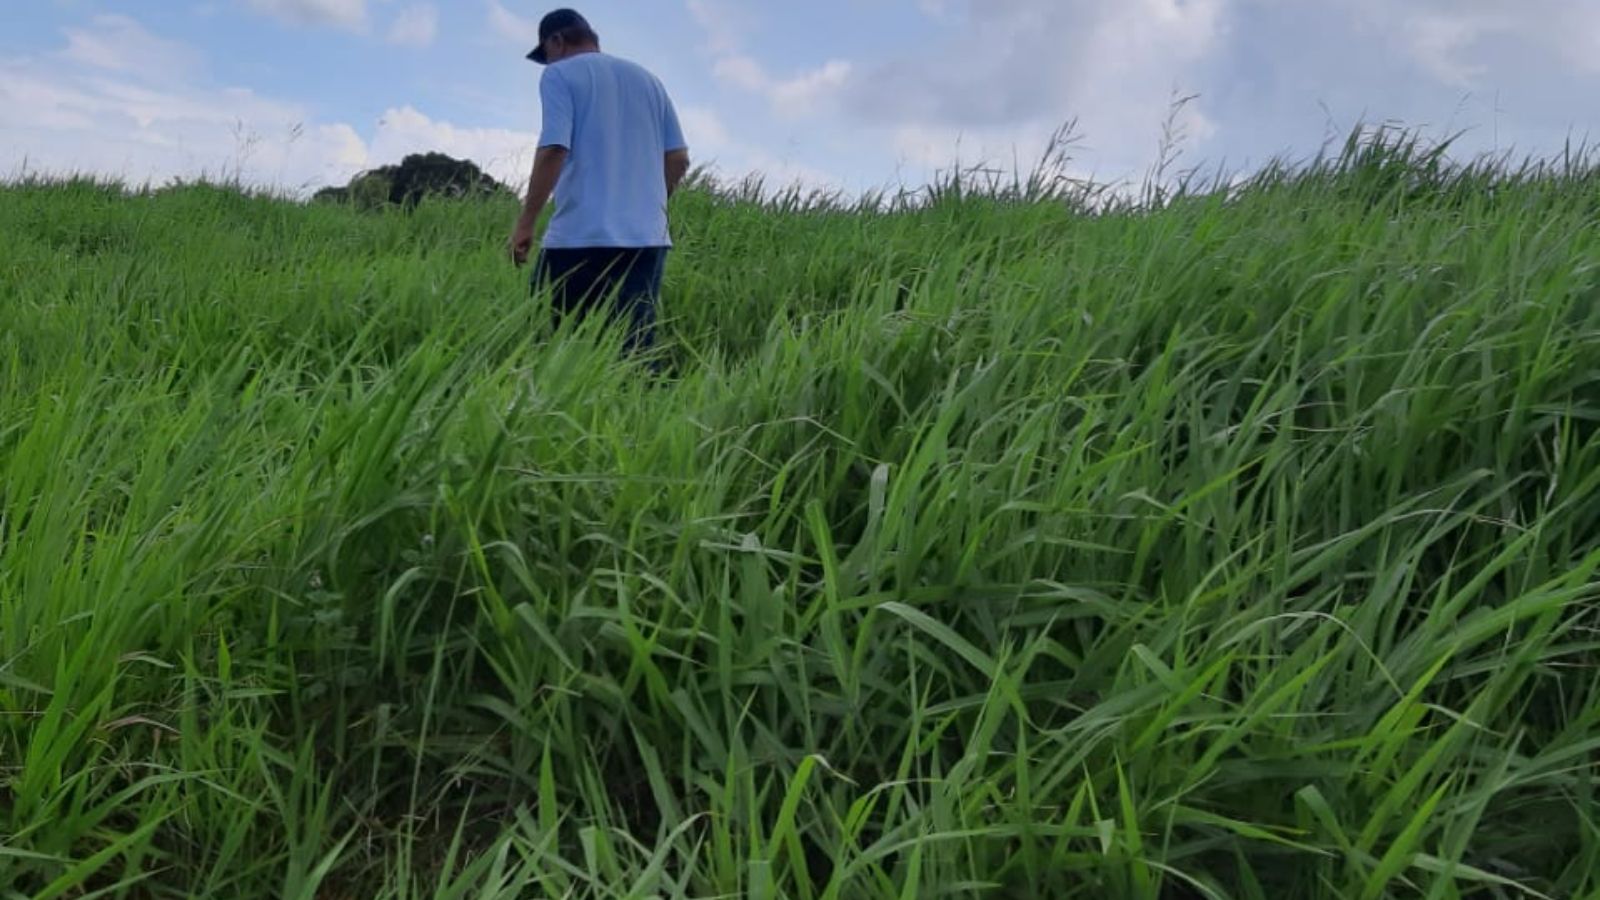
<point x="671" y="131"/>
<point x="555" y="96"/>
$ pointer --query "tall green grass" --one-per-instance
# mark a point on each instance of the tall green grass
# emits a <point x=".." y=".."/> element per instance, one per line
<point x="1242" y="544"/>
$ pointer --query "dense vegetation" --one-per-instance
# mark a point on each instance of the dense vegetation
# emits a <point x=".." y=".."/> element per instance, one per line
<point x="1240" y="544"/>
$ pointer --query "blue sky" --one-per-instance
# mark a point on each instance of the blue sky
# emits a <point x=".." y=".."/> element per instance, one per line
<point x="857" y="94"/>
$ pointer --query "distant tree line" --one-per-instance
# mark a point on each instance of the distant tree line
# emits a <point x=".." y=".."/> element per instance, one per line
<point x="417" y="176"/>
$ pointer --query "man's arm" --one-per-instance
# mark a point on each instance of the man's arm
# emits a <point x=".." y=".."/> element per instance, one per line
<point x="677" y="166"/>
<point x="547" y="165"/>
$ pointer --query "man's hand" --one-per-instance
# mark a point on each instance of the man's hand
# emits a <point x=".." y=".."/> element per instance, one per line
<point x="521" y="241"/>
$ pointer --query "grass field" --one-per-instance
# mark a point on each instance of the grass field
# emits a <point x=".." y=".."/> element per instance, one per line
<point x="1242" y="546"/>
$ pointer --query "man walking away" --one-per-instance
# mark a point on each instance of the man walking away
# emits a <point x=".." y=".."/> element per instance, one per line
<point x="611" y="152"/>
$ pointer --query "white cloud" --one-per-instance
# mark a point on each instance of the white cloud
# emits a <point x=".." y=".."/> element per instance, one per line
<point x="342" y="13"/>
<point x="804" y="93"/>
<point x="120" y="44"/>
<point x="742" y="72"/>
<point x="76" y="112"/>
<point x="503" y="153"/>
<point x="801" y="95"/>
<point x="1002" y="152"/>
<point x="1449" y="39"/>
<point x="512" y="27"/>
<point x="1297" y="74"/>
<point x="416" y="26"/>
<point x="713" y="145"/>
<point x="1009" y="74"/>
<point x="796" y="96"/>
<point x="56" y="120"/>
<point x="1114" y="66"/>
<point x="722" y="22"/>
<point x="779" y="172"/>
<point x="704" y="129"/>
<point x="1001" y="76"/>
<point x="1438" y="41"/>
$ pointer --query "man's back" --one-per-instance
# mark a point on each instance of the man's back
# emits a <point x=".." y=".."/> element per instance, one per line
<point x="617" y="123"/>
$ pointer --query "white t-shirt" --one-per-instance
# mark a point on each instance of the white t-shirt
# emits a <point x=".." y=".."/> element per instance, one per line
<point x="617" y="123"/>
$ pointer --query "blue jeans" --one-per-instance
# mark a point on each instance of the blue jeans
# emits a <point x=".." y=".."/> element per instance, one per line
<point x="627" y="279"/>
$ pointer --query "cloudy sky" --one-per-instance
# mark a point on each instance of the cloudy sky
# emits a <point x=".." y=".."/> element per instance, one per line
<point x="856" y="94"/>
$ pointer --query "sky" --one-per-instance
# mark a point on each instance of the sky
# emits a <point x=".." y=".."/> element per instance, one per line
<point x="855" y="95"/>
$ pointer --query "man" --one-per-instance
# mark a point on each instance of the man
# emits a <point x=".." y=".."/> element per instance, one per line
<point x="611" y="152"/>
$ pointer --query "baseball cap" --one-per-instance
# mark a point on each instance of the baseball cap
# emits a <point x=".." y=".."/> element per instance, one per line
<point x="553" y="23"/>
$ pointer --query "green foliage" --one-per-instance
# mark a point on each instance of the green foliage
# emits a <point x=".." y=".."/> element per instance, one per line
<point x="1241" y="547"/>
<point x="417" y="177"/>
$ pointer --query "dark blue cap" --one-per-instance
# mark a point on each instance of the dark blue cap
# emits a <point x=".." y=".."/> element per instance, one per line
<point x="555" y="23"/>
